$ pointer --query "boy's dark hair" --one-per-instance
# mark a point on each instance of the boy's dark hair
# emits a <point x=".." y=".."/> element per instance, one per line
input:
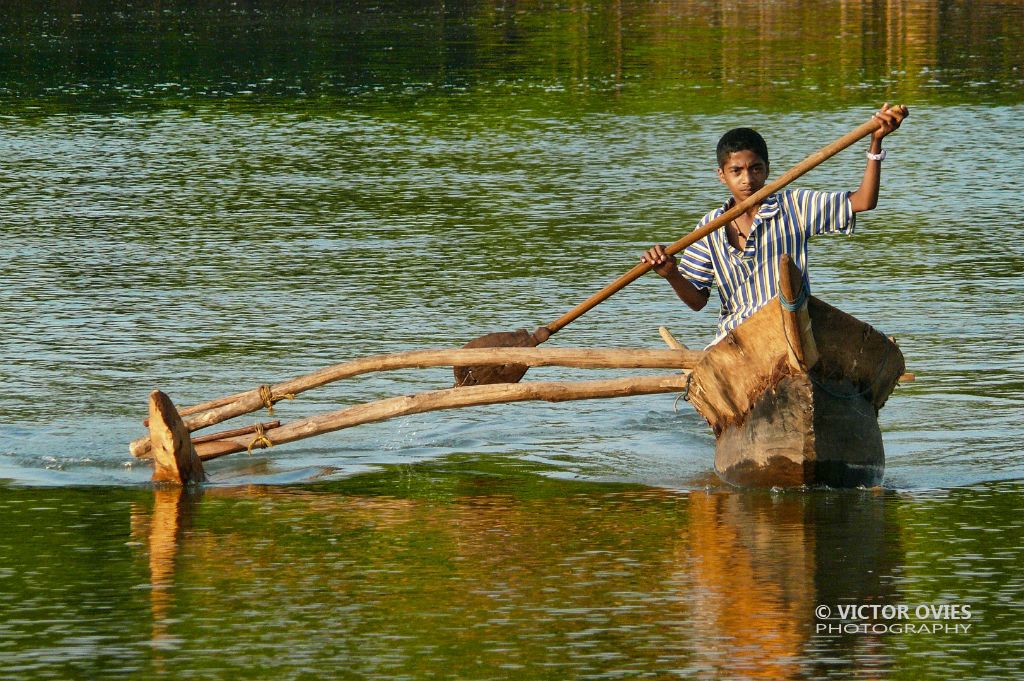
<point x="741" y="139"/>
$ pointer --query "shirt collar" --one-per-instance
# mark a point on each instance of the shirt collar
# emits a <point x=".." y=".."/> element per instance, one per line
<point x="769" y="207"/>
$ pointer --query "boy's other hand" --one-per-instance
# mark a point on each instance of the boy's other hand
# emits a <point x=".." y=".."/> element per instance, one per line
<point x="660" y="261"/>
<point x="890" y="119"/>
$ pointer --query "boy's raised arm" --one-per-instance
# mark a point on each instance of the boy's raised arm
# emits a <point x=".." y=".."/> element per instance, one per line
<point x="866" y="196"/>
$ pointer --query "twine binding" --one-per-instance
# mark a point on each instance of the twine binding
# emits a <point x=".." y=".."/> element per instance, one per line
<point x="261" y="439"/>
<point x="270" y="399"/>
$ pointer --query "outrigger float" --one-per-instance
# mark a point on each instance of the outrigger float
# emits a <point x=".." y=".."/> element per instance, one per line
<point x="792" y="394"/>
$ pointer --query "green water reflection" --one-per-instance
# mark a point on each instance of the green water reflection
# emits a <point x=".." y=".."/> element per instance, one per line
<point x="480" y="569"/>
<point x="687" y="55"/>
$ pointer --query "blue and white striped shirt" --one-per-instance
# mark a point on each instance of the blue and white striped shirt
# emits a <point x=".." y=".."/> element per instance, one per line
<point x="749" y="279"/>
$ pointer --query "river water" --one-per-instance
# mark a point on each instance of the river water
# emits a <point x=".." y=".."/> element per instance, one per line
<point x="204" y="197"/>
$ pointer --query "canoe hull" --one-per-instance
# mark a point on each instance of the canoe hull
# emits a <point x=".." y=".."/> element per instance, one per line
<point x="799" y="433"/>
<point x="782" y="423"/>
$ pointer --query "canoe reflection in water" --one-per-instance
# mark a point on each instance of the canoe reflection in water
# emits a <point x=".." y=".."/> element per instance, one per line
<point x="475" y="573"/>
<point x="762" y="562"/>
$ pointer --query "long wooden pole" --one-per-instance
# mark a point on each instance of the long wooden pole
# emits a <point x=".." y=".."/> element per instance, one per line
<point x="244" y="430"/>
<point x="725" y="218"/>
<point x="220" y="410"/>
<point x="451" y="398"/>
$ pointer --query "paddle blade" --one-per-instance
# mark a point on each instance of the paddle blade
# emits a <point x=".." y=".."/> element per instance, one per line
<point x="497" y="373"/>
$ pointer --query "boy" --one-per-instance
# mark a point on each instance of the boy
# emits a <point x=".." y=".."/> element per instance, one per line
<point x="742" y="257"/>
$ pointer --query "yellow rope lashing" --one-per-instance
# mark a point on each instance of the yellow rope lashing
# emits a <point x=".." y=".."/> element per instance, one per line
<point x="261" y="439"/>
<point x="269" y="398"/>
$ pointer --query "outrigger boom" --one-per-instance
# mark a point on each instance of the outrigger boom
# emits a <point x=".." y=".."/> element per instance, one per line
<point x="178" y="459"/>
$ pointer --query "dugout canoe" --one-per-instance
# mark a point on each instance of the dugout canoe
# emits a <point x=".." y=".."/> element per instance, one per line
<point x="793" y="394"/>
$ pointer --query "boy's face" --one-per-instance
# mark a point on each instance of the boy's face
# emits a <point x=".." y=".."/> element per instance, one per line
<point x="744" y="172"/>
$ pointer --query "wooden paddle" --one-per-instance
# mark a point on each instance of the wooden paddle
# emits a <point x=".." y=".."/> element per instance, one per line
<point x="511" y="373"/>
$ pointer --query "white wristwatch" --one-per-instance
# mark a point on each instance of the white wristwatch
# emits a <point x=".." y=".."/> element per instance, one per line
<point x="880" y="156"/>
